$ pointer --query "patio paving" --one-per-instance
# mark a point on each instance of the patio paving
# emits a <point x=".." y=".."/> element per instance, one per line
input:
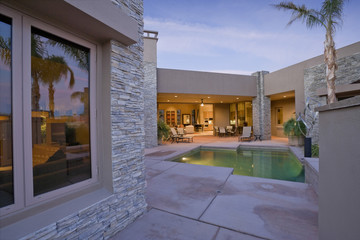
<point x="187" y="201"/>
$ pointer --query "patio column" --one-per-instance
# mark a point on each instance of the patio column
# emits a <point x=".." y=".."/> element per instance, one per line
<point x="261" y="109"/>
<point x="150" y="88"/>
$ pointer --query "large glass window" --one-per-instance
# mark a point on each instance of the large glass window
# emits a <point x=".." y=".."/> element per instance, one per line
<point x="59" y="111"/>
<point x="245" y="114"/>
<point x="6" y="153"/>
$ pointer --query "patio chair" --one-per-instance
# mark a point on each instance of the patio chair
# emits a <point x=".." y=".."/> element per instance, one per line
<point x="180" y="131"/>
<point x="177" y="137"/>
<point x="246" y="135"/>
<point x="216" y="131"/>
<point x="222" y="131"/>
<point x="174" y="135"/>
<point x="230" y="130"/>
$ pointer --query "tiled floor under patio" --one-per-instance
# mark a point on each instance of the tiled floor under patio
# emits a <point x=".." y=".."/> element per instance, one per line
<point x="188" y="201"/>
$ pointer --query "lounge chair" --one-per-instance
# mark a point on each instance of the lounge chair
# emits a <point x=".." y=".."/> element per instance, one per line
<point x="246" y="135"/>
<point x="216" y="131"/>
<point x="189" y="129"/>
<point x="180" y="131"/>
<point x="230" y="131"/>
<point x="177" y="137"/>
<point x="222" y="131"/>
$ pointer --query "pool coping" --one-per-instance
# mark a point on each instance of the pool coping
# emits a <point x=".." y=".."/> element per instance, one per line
<point x="294" y="150"/>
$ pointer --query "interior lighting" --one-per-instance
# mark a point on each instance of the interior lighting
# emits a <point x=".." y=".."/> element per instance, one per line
<point x="208" y="97"/>
<point x="237" y="98"/>
<point x="221" y="101"/>
<point x="175" y="96"/>
<point x="168" y="100"/>
<point x="202" y="103"/>
<point x="284" y="96"/>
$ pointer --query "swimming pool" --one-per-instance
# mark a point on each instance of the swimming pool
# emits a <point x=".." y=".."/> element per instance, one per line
<point x="265" y="163"/>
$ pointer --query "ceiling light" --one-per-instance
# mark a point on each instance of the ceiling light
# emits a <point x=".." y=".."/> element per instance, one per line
<point x="284" y="96"/>
<point x="175" y="96"/>
<point x="202" y="103"/>
<point x="208" y="97"/>
<point x="237" y="98"/>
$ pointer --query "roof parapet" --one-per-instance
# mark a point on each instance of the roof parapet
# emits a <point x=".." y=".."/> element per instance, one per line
<point x="151" y="34"/>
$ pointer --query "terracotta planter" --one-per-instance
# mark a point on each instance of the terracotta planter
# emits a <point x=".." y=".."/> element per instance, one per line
<point x="296" y="140"/>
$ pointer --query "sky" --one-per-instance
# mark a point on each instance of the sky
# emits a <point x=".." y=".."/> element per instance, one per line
<point x="239" y="36"/>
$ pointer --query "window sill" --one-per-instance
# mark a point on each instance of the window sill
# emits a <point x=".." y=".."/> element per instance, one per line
<point x="31" y="220"/>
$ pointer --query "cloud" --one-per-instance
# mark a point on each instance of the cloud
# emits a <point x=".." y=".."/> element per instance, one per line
<point x="274" y="48"/>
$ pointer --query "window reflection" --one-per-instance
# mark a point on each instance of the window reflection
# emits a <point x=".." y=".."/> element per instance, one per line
<point x="60" y="112"/>
<point x="245" y="114"/>
<point x="6" y="156"/>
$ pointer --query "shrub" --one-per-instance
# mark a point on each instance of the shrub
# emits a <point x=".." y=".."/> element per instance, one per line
<point x="163" y="130"/>
<point x="294" y="128"/>
<point x="315" y="150"/>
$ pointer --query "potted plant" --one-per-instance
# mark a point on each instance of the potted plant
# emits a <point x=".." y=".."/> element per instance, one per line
<point x="294" y="130"/>
<point x="162" y="131"/>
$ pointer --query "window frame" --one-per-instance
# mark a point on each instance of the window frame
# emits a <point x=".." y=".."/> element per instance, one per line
<point x="29" y="191"/>
<point x="16" y="100"/>
<point x="21" y="107"/>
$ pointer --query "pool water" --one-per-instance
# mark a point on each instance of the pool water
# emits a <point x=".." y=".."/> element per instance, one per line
<point x="265" y="163"/>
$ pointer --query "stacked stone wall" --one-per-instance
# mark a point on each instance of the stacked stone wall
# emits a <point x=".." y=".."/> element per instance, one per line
<point x="105" y="218"/>
<point x="315" y="78"/>
<point x="150" y="99"/>
<point x="261" y="109"/>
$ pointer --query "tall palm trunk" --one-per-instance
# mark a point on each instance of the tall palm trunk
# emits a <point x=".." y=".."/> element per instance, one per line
<point x="51" y="99"/>
<point x="331" y="66"/>
<point x="35" y="94"/>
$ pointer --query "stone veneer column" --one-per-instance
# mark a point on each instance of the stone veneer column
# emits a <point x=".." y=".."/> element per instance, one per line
<point x="150" y="101"/>
<point x="314" y="79"/>
<point x="150" y="88"/>
<point x="261" y="109"/>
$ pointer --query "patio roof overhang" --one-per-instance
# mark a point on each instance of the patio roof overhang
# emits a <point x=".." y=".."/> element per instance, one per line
<point x="196" y="98"/>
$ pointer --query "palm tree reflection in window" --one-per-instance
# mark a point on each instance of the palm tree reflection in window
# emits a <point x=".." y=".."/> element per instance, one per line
<point x="60" y="125"/>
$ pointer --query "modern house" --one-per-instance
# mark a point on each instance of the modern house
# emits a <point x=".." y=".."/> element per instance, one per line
<point x="79" y="101"/>
<point x="71" y="118"/>
<point x="263" y="100"/>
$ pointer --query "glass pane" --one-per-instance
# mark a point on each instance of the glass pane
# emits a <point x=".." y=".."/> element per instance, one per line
<point x="248" y="114"/>
<point x="60" y="112"/>
<point x="6" y="158"/>
<point x="279" y="116"/>
<point x="232" y="113"/>
<point x="241" y="114"/>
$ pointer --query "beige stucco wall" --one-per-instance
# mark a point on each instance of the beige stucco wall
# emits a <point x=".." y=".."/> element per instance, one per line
<point x="221" y="115"/>
<point x="288" y="106"/>
<point x="150" y="49"/>
<point x="182" y="81"/>
<point x="292" y="78"/>
<point x="339" y="178"/>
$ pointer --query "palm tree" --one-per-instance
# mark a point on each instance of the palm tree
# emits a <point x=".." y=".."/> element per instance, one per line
<point x="53" y="69"/>
<point x="5" y="50"/>
<point x="83" y="97"/>
<point x="329" y="17"/>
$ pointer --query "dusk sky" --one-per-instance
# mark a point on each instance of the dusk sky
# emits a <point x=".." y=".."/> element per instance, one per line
<point x="238" y="36"/>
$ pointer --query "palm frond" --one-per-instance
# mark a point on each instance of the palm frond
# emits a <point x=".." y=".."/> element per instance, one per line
<point x="309" y="16"/>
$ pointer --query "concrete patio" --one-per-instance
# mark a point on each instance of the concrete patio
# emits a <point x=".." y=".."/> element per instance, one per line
<point x="188" y="201"/>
